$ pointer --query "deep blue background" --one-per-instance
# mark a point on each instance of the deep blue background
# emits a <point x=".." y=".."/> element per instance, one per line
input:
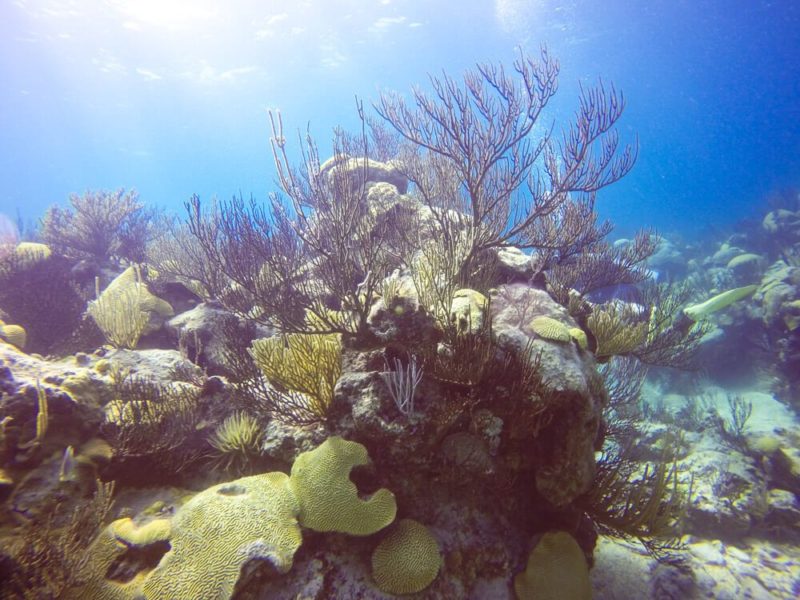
<point x="170" y="96"/>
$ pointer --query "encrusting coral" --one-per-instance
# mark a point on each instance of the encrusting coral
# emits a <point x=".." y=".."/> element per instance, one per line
<point x="131" y="534"/>
<point x="580" y="337"/>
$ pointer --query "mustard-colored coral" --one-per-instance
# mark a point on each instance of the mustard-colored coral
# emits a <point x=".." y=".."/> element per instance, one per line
<point x="30" y="253"/>
<point x="101" y="555"/>
<point x="329" y="501"/>
<point x="14" y="335"/>
<point x="580" y="337"/>
<point x="468" y="310"/>
<point x="556" y="570"/>
<point x="131" y="534"/>
<point x="743" y="259"/>
<point x="407" y="560"/>
<point x="222" y="528"/>
<point x="550" y="329"/>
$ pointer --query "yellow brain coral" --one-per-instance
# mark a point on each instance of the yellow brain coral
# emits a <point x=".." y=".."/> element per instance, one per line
<point x="131" y="534"/>
<point x="329" y="501"/>
<point x="14" y="335"/>
<point x="30" y="253"/>
<point x="556" y="570"/>
<point x="219" y="530"/>
<point x="550" y="329"/>
<point x="104" y="552"/>
<point x="407" y="560"/>
<point x="580" y="337"/>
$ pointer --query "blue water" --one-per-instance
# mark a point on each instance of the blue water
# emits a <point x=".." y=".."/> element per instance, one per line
<point x="170" y="97"/>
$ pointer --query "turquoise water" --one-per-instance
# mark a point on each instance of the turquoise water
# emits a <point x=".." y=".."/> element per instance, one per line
<point x="170" y="98"/>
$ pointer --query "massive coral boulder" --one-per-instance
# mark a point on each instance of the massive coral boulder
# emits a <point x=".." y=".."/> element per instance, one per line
<point x="202" y="332"/>
<point x="563" y="452"/>
<point x="667" y="258"/>
<point x="782" y="222"/>
<point x="361" y="171"/>
<point x="779" y="297"/>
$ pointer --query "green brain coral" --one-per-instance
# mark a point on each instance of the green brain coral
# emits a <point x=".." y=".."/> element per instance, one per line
<point x="30" y="253"/>
<point x="13" y="334"/>
<point x="131" y="534"/>
<point x="329" y="501"/>
<point x="407" y="560"/>
<point x="580" y="337"/>
<point x="222" y="528"/>
<point x="550" y="329"/>
<point x="556" y="570"/>
<point x="105" y="551"/>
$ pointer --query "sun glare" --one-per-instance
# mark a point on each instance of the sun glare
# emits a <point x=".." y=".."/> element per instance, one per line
<point x="168" y="14"/>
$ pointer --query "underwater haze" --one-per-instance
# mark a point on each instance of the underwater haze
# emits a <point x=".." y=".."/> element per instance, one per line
<point x="170" y="97"/>
<point x="367" y="299"/>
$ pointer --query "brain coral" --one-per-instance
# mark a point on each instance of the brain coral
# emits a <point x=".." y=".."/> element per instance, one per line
<point x="550" y="329"/>
<point x="13" y="334"/>
<point x="580" y="337"/>
<point x="29" y="253"/>
<point x="407" y="560"/>
<point x="556" y="570"/>
<point x="219" y="530"/>
<point x="329" y="501"/>
<point x="131" y="534"/>
<point x="100" y="557"/>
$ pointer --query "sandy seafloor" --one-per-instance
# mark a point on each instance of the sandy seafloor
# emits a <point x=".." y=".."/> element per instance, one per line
<point x="762" y="564"/>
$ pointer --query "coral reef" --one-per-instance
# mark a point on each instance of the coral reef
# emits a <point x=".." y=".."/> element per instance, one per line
<point x="426" y="355"/>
